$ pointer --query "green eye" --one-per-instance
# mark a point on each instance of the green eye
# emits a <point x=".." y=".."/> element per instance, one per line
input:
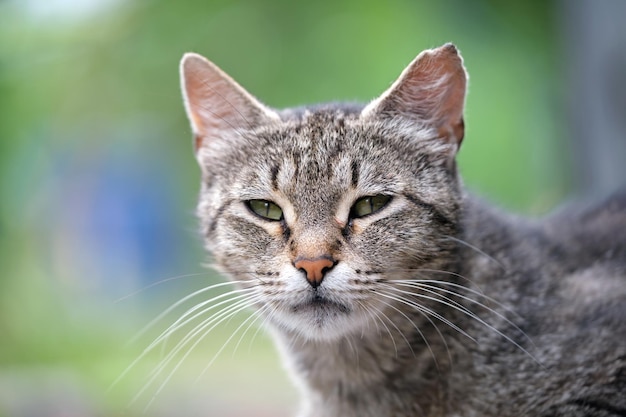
<point x="265" y="209"/>
<point x="368" y="205"/>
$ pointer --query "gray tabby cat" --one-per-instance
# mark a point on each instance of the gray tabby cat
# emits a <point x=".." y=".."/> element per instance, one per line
<point x="389" y="290"/>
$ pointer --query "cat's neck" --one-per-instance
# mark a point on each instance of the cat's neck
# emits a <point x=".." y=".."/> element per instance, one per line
<point x="350" y="376"/>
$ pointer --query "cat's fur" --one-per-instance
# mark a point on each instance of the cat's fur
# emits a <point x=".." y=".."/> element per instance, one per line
<point x="437" y="305"/>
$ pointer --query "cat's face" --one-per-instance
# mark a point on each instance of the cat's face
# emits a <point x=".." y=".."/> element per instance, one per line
<point x="315" y="211"/>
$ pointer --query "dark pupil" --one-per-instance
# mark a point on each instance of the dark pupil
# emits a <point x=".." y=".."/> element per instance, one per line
<point x="369" y="205"/>
<point x="265" y="209"/>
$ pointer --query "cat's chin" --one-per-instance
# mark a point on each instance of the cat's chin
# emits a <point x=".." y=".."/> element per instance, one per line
<point x="318" y="319"/>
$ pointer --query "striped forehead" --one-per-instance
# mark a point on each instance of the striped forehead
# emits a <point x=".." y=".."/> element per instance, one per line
<point x="307" y="175"/>
<point x="313" y="159"/>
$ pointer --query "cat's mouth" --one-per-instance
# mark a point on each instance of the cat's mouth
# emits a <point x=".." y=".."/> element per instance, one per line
<point x="320" y="304"/>
<point x="319" y="316"/>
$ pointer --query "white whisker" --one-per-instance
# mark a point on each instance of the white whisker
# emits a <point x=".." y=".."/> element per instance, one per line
<point x="155" y="284"/>
<point x="180" y="302"/>
<point x="210" y="323"/>
<point x="432" y="353"/>
<point x="479" y="293"/>
<point x="424" y="285"/>
<point x="456" y="306"/>
<point x="164" y="335"/>
<point x="427" y="311"/>
<point x="258" y="314"/>
<point x="375" y="312"/>
<point x="188" y="317"/>
<point x="451" y="302"/>
<point x="478" y="250"/>
<point x="396" y="327"/>
<point x="254" y="316"/>
<point x="371" y="315"/>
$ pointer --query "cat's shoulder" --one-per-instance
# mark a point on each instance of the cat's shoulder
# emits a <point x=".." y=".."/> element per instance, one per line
<point x="597" y="227"/>
<point x="592" y="239"/>
<point x="613" y="205"/>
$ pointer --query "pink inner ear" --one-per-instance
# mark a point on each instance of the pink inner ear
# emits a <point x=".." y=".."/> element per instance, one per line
<point x="455" y="131"/>
<point x="431" y="90"/>
<point x="197" y="143"/>
<point x="459" y="131"/>
<point x="215" y="103"/>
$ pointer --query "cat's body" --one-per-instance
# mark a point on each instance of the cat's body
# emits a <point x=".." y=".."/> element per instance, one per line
<point x="390" y="291"/>
<point x="571" y="315"/>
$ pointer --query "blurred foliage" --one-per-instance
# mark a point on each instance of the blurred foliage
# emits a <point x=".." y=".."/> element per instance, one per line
<point x="97" y="178"/>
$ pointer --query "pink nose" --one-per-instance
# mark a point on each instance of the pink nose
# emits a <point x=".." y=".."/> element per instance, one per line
<point x="315" y="268"/>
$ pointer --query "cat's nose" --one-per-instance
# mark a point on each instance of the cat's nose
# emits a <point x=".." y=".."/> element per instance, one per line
<point x="315" y="269"/>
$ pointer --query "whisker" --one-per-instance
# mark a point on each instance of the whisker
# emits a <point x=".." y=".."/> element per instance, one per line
<point x="178" y="324"/>
<point x="478" y="250"/>
<point x="471" y="315"/>
<point x="396" y="327"/>
<point x="165" y="334"/>
<point x="369" y="313"/>
<point x="452" y="302"/>
<point x="450" y="284"/>
<point x="375" y="314"/>
<point x="356" y="353"/>
<point x="432" y="353"/>
<point x="211" y="323"/>
<point x="425" y="271"/>
<point x="259" y="328"/>
<point x="187" y="317"/>
<point x="472" y="291"/>
<point x="157" y="283"/>
<point x="257" y="313"/>
<point x="368" y="321"/>
<point x="180" y="302"/>
<point x="234" y="294"/>
<point x="444" y="300"/>
<point x="420" y="285"/>
<point x="214" y="320"/>
<point x="427" y="311"/>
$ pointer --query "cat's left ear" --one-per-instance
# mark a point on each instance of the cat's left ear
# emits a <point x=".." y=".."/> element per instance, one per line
<point x="430" y="91"/>
<point x="217" y="106"/>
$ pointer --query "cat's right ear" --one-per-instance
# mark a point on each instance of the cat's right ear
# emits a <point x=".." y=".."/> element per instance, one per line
<point x="430" y="91"/>
<point x="216" y="105"/>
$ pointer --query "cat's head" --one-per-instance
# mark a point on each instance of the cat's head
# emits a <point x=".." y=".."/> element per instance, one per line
<point x="317" y="209"/>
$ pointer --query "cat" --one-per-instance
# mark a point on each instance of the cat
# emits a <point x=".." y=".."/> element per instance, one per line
<point x="389" y="289"/>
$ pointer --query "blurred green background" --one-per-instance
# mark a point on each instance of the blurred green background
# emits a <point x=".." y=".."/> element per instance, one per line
<point x="98" y="181"/>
